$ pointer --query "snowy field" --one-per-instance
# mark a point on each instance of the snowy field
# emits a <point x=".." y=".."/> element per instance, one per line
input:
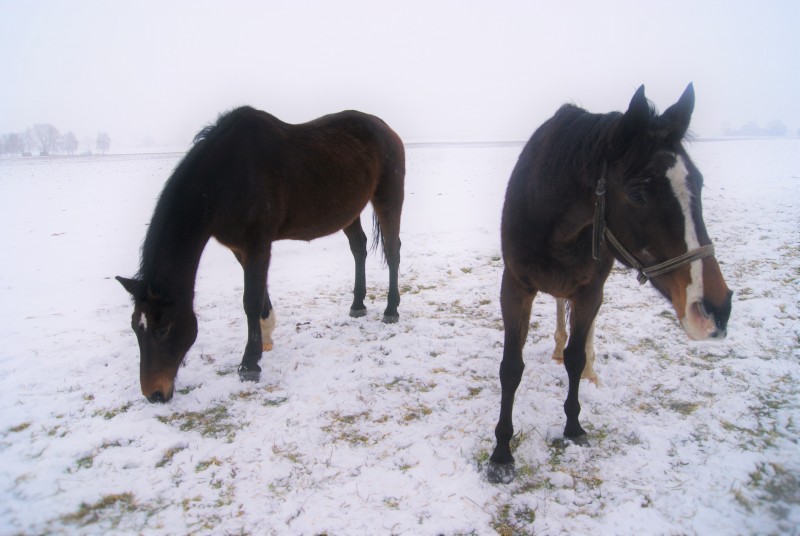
<point x="363" y="428"/>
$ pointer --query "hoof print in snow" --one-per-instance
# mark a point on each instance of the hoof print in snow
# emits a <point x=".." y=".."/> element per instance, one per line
<point x="358" y="313"/>
<point x="500" y="473"/>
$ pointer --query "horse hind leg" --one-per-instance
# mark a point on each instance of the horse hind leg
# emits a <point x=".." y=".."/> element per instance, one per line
<point x="267" y="322"/>
<point x="560" y="337"/>
<point x="358" y="246"/>
<point x="388" y="204"/>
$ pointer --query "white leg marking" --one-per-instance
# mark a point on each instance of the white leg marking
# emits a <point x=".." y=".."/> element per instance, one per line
<point x="678" y="175"/>
<point x="560" y="335"/>
<point x="267" y="327"/>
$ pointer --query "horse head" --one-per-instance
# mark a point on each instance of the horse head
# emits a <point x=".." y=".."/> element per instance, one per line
<point x="166" y="328"/>
<point x="655" y="213"/>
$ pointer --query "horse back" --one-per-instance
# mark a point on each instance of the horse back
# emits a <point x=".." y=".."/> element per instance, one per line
<point x="298" y="181"/>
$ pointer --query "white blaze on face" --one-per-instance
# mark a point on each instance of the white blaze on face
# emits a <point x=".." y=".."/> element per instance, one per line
<point x="678" y="176"/>
<point x="143" y="322"/>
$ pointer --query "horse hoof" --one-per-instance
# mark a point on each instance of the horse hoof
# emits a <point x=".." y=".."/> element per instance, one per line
<point x="391" y="319"/>
<point x="358" y="313"/>
<point x="249" y="375"/>
<point x="581" y="440"/>
<point x="266" y="347"/>
<point x="500" y="473"/>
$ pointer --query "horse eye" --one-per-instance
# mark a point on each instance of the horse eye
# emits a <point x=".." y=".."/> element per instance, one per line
<point x="637" y="192"/>
<point x="163" y="331"/>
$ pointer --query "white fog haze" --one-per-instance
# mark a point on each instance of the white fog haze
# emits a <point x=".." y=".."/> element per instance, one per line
<point x="153" y="73"/>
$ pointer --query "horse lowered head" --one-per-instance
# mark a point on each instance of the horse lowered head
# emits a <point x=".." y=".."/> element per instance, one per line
<point x="165" y="327"/>
<point x="654" y="218"/>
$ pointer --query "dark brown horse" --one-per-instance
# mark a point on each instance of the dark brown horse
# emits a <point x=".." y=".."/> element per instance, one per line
<point x="589" y="189"/>
<point x="249" y="180"/>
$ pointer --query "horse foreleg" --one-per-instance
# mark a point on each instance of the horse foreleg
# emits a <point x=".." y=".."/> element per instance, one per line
<point x="256" y="304"/>
<point x="358" y="246"/>
<point x="515" y="303"/>
<point x="584" y="309"/>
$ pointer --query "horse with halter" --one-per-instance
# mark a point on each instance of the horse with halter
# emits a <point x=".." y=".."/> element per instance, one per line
<point x="590" y="189"/>
<point x="249" y="180"/>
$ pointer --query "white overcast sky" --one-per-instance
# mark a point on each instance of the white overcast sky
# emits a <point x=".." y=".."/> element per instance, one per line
<point x="458" y="70"/>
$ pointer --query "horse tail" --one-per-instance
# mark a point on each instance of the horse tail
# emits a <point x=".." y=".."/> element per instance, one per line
<point x="377" y="236"/>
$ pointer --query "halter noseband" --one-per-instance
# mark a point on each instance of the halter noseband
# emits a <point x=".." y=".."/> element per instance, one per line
<point x="600" y="230"/>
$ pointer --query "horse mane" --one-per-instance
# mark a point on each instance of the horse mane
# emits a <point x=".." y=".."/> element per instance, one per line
<point x="579" y="142"/>
<point x="171" y="195"/>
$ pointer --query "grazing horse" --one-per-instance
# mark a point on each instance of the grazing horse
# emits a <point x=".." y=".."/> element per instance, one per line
<point x="589" y="189"/>
<point x="249" y="180"/>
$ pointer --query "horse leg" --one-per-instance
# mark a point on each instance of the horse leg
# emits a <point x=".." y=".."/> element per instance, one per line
<point x="358" y="246"/>
<point x="560" y="335"/>
<point x="388" y="219"/>
<point x="515" y="303"/>
<point x="584" y="306"/>
<point x="588" y="370"/>
<point x="256" y="306"/>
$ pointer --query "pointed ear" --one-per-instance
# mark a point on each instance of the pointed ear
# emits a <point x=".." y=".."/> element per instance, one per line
<point x="638" y="116"/>
<point x="677" y="117"/>
<point x="134" y="286"/>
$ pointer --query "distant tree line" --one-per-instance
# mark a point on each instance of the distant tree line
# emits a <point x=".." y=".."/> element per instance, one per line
<point x="773" y="128"/>
<point x="44" y="139"/>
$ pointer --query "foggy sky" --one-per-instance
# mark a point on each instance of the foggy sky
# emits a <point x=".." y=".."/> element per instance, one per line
<point x="457" y="70"/>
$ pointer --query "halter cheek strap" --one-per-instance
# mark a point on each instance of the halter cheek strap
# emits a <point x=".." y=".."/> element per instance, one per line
<point x="600" y="230"/>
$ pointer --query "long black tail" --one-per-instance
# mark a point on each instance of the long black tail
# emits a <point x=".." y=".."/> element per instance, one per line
<point x="377" y="237"/>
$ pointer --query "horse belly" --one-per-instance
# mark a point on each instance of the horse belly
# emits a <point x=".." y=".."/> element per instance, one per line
<point x="311" y="222"/>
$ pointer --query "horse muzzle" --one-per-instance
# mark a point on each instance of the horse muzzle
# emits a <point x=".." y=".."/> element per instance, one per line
<point x="703" y="321"/>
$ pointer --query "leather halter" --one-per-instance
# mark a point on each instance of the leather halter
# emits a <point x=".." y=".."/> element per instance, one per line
<point x="600" y="230"/>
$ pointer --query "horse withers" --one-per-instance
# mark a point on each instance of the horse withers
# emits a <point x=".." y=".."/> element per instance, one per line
<point x="589" y="189"/>
<point x="249" y="180"/>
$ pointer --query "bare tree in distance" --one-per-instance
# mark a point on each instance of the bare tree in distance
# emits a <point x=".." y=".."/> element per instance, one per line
<point x="46" y="136"/>
<point x="69" y="142"/>
<point x="103" y="142"/>
<point x="12" y="144"/>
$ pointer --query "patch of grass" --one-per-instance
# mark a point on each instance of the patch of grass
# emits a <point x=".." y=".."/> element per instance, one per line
<point x="412" y="414"/>
<point x="411" y="385"/>
<point x="289" y="452"/>
<point x="514" y="521"/>
<point x="168" y="455"/>
<point x="205" y="464"/>
<point x="214" y="422"/>
<point x="112" y="508"/>
<point x="466" y="270"/>
<point x="113" y="412"/>
<point x="684" y="408"/>
<point x="19" y="427"/>
<point x="343" y="428"/>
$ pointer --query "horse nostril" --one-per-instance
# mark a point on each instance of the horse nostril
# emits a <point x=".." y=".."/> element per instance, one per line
<point x="158" y="396"/>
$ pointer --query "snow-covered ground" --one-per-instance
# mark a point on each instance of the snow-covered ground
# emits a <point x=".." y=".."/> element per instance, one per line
<point x="363" y="428"/>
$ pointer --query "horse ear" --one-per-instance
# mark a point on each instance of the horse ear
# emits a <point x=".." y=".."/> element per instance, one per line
<point x="678" y="116"/>
<point x="637" y="118"/>
<point x="133" y="286"/>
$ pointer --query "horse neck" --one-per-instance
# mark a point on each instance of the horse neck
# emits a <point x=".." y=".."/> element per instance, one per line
<point x="174" y="243"/>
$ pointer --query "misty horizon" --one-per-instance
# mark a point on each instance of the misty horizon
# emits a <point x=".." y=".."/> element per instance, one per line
<point x="154" y="74"/>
